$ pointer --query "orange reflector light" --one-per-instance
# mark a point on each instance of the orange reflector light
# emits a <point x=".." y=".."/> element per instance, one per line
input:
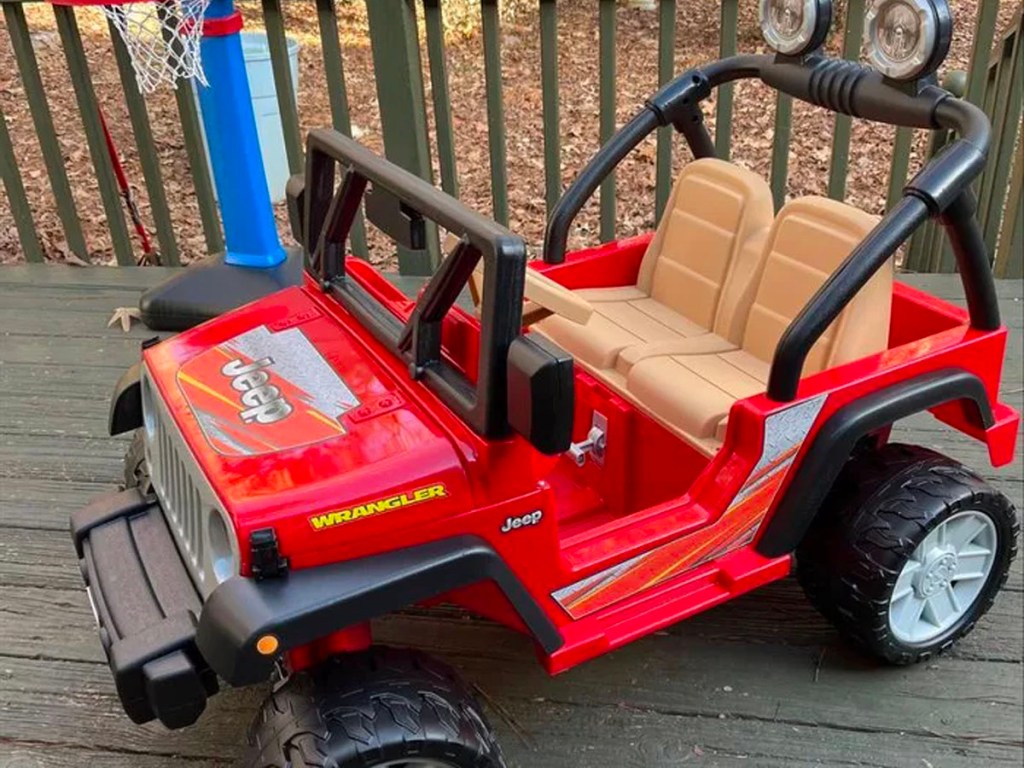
<point x="268" y="645"/>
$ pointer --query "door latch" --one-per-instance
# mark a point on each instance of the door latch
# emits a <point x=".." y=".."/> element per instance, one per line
<point x="595" y="443"/>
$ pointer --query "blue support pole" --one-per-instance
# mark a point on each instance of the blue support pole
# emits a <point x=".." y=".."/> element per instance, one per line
<point x="255" y="264"/>
<point x="238" y="173"/>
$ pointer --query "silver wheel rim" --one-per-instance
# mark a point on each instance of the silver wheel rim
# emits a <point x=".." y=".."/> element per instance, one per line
<point x="943" y="577"/>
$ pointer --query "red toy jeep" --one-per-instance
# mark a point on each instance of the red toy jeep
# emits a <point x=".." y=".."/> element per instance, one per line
<point x="615" y="440"/>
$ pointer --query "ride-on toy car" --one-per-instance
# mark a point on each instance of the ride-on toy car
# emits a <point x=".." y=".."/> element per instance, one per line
<point x="615" y="440"/>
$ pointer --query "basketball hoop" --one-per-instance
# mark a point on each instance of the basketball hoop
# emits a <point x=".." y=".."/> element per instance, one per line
<point x="162" y="37"/>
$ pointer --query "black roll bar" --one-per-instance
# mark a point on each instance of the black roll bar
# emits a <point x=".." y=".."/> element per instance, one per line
<point x="941" y="190"/>
<point x="326" y="222"/>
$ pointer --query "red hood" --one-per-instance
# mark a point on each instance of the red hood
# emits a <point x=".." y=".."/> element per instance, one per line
<point x="284" y="407"/>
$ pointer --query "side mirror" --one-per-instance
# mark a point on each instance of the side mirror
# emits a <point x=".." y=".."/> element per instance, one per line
<point x="541" y="393"/>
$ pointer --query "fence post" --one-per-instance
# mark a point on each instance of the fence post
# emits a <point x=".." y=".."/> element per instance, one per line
<point x="42" y="119"/>
<point x="491" y="31"/>
<point x="666" y="135"/>
<point x="402" y="98"/>
<point x="148" y="157"/>
<point x="606" y="96"/>
<point x="1010" y="253"/>
<point x="1006" y="113"/>
<point x="88" y="108"/>
<point x="20" y="210"/>
<point x="549" y="96"/>
<point x="277" y="39"/>
<point x="840" y="166"/>
<point x="723" y="109"/>
<point x="434" y="21"/>
<point x="337" y="92"/>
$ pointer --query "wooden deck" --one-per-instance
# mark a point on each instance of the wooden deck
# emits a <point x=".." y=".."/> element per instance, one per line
<point x="759" y="682"/>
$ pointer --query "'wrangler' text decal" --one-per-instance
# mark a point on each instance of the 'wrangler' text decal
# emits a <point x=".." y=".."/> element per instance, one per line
<point x="330" y="519"/>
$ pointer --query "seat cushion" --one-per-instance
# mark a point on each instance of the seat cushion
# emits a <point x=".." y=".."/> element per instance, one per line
<point x="705" y="344"/>
<point x="690" y="266"/>
<point x="811" y="238"/>
<point x="694" y="393"/>
<point x="623" y="317"/>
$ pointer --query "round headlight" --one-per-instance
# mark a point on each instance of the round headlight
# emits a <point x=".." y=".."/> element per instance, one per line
<point x="908" y="39"/>
<point x="223" y="547"/>
<point x="148" y="408"/>
<point x="795" y="27"/>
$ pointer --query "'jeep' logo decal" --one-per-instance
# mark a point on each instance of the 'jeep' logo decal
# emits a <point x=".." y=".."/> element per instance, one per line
<point x="265" y="404"/>
<point x="262" y="392"/>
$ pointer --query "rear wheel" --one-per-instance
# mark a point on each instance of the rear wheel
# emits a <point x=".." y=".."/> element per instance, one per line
<point x="384" y="708"/>
<point x="908" y="552"/>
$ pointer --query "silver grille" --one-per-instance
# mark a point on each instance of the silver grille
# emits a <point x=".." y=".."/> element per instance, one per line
<point x="185" y="494"/>
<point x="182" y="503"/>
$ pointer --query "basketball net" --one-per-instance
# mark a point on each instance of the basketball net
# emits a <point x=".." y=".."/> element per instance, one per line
<point x="162" y="39"/>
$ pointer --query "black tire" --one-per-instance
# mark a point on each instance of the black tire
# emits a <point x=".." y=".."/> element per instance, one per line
<point x="371" y="709"/>
<point x="136" y="473"/>
<point x="884" y="503"/>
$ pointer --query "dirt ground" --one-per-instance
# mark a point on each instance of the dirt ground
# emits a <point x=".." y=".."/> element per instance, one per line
<point x="697" y="34"/>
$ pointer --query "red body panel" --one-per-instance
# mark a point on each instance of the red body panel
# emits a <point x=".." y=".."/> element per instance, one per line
<point x="367" y="460"/>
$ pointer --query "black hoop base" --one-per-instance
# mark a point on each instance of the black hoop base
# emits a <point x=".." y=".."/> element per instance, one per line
<point x="211" y="288"/>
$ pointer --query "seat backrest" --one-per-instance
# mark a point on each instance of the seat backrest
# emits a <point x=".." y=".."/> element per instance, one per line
<point x="810" y="239"/>
<point x="714" y="209"/>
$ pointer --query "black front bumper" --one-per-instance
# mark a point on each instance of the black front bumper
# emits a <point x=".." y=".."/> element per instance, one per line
<point x="146" y="607"/>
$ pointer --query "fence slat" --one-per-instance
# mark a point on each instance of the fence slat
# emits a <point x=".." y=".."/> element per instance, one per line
<point x="666" y="135"/>
<point x="606" y="89"/>
<point x="984" y="34"/>
<point x="148" y="158"/>
<point x="924" y="251"/>
<point x="1010" y="254"/>
<point x="78" y="69"/>
<point x="723" y="109"/>
<point x="20" y="209"/>
<point x="187" y="103"/>
<point x="434" y="20"/>
<point x="495" y="108"/>
<point x="337" y="93"/>
<point x="900" y="165"/>
<point x="549" y="96"/>
<point x="780" y="148"/>
<point x="198" y="167"/>
<point x="1005" y="128"/>
<point x="839" y="168"/>
<point x="42" y="119"/>
<point x="403" y="116"/>
<point x="277" y="39"/>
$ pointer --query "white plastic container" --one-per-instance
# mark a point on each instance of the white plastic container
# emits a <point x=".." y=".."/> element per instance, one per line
<point x="260" y="71"/>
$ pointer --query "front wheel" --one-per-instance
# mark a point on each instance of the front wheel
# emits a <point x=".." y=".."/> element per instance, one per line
<point x="136" y="472"/>
<point x="384" y="708"/>
<point x="908" y="552"/>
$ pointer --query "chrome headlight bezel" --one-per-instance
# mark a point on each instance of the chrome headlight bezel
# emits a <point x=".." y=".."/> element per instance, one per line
<point x="815" y="21"/>
<point x="222" y="555"/>
<point x="933" y="41"/>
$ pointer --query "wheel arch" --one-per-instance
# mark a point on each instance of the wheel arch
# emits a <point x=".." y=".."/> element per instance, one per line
<point x="311" y="603"/>
<point x="838" y="436"/>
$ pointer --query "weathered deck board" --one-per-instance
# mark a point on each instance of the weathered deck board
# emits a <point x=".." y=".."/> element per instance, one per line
<point x="762" y="681"/>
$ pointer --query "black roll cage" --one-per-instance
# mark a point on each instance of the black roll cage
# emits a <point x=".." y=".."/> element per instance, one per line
<point x="325" y="218"/>
<point x="941" y="190"/>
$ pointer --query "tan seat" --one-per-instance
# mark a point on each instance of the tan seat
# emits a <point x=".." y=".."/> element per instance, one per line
<point x="810" y="239"/>
<point x="693" y="279"/>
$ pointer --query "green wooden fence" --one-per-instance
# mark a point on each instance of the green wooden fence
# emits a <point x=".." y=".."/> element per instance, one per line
<point x="995" y="81"/>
